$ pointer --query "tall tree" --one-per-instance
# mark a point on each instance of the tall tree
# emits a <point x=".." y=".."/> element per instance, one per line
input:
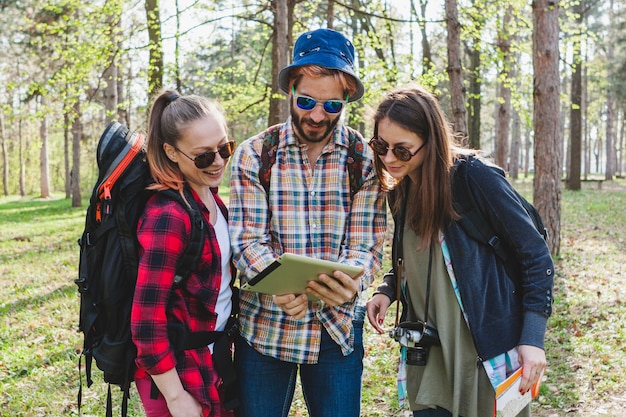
<point x="503" y="111"/>
<point x="5" y="154"/>
<point x="546" y="115"/>
<point x="427" y="60"/>
<point x="155" y="65"/>
<point x="44" y="163"/>
<point x="610" y="107"/>
<point x="282" y="40"/>
<point x="455" y="69"/>
<point x="77" y="134"/>
<point x="575" y="141"/>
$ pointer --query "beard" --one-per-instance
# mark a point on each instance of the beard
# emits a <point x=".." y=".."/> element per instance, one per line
<point x="300" y="123"/>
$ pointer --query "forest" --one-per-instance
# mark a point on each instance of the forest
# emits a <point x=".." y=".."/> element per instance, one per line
<point x="537" y="86"/>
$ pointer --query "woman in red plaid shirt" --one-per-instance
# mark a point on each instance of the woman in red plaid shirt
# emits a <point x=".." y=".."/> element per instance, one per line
<point x="188" y="147"/>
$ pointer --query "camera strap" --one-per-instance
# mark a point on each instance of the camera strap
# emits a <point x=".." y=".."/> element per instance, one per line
<point x="399" y="286"/>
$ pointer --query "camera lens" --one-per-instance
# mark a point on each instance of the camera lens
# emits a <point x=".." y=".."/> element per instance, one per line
<point x="417" y="356"/>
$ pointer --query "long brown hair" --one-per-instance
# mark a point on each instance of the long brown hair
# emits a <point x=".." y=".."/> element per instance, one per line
<point x="429" y="203"/>
<point x="170" y="114"/>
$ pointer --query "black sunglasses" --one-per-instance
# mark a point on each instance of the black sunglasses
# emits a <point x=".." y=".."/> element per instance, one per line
<point x="308" y="103"/>
<point x="403" y="153"/>
<point x="206" y="159"/>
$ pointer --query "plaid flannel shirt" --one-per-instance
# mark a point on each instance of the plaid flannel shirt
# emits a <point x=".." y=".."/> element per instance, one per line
<point x="163" y="232"/>
<point x="311" y="214"/>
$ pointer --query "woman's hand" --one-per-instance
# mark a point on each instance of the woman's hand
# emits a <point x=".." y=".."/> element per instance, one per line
<point x="533" y="361"/>
<point x="184" y="405"/>
<point x="376" y="310"/>
<point x="180" y="403"/>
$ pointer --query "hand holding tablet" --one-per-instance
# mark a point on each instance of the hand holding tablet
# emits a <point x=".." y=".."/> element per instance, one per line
<point x="290" y="274"/>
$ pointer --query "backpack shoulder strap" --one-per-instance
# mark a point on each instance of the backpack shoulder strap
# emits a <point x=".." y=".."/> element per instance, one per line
<point x="356" y="154"/>
<point x="268" y="156"/>
<point x="193" y="252"/>
<point x="473" y="220"/>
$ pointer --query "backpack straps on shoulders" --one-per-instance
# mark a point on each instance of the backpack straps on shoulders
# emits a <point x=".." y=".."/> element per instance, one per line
<point x="193" y="252"/>
<point x="473" y="220"/>
<point x="356" y="154"/>
<point x="268" y="156"/>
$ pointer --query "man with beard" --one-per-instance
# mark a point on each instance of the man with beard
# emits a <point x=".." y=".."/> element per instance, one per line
<point x="308" y="210"/>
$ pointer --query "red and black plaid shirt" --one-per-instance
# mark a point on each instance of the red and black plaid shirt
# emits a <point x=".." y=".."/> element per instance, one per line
<point x="163" y="233"/>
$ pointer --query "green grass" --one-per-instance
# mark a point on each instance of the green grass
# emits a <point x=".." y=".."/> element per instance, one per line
<point x="40" y="345"/>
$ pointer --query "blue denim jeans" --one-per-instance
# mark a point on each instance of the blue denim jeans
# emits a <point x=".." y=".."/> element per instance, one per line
<point x="331" y="388"/>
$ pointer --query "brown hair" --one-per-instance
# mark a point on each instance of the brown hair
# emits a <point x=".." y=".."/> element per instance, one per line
<point x="347" y="82"/>
<point x="429" y="204"/>
<point x="170" y="114"/>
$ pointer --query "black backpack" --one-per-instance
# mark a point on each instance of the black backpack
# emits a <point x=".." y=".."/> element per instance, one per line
<point x="109" y="257"/>
<point x="473" y="220"/>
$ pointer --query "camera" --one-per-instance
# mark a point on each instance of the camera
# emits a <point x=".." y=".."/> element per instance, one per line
<point x="418" y="338"/>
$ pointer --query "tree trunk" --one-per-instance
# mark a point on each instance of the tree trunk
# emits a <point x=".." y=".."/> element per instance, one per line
<point x="44" y="166"/>
<point x="330" y="14"/>
<point x="610" y="106"/>
<point x="280" y="58"/>
<point x="516" y="139"/>
<point x="455" y="70"/>
<point x="67" y="155"/>
<point x="575" y="145"/>
<point x="585" y="113"/>
<point x="77" y="133"/>
<point x="22" y="152"/>
<point x="503" y="112"/>
<point x="111" y="75"/>
<point x="620" y="161"/>
<point x="546" y="110"/>
<point x="474" y="100"/>
<point x="427" y="60"/>
<point x="527" y="146"/>
<point x="5" y="156"/>
<point x="155" y="64"/>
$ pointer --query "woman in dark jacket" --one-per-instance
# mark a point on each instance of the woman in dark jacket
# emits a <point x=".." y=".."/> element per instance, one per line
<point x="456" y="293"/>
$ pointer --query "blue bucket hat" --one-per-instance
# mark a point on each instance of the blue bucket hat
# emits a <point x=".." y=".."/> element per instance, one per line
<point x="326" y="48"/>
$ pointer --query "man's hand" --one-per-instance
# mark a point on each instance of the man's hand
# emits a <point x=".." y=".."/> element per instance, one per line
<point x="335" y="290"/>
<point x="292" y="304"/>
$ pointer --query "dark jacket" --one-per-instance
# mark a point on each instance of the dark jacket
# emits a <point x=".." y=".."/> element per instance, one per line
<point x="502" y="311"/>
